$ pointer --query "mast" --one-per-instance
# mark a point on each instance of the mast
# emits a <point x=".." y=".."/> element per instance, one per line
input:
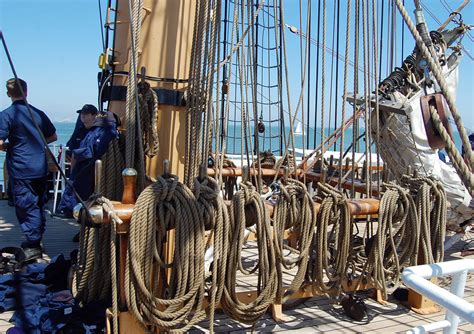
<point x="164" y="50"/>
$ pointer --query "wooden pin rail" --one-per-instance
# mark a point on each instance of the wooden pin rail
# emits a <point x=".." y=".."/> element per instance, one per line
<point x="237" y="171"/>
<point x="357" y="207"/>
<point x="125" y="208"/>
<point x="359" y="186"/>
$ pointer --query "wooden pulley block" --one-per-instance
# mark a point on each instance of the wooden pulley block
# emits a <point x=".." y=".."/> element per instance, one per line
<point x="437" y="100"/>
<point x="261" y="125"/>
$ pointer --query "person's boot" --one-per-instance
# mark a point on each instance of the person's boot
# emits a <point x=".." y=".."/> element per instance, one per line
<point x="32" y="250"/>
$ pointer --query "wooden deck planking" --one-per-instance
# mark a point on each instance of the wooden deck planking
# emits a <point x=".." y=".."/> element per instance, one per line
<point x="312" y="315"/>
<point x="56" y="240"/>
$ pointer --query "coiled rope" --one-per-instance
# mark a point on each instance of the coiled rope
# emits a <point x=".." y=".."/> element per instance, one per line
<point x="92" y="275"/>
<point x="148" y="100"/>
<point x="162" y="206"/>
<point x="294" y="209"/>
<point x="431" y="204"/>
<point x="245" y="199"/>
<point x="215" y="214"/>
<point x="397" y="224"/>
<point x="331" y="247"/>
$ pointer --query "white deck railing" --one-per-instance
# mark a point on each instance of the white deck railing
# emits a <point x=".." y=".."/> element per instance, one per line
<point x="456" y="307"/>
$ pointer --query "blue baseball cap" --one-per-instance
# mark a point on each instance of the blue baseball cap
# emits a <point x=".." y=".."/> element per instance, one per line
<point x="88" y="108"/>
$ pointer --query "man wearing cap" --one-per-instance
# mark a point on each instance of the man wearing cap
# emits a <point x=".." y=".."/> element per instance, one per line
<point x="88" y="113"/>
<point x="101" y="130"/>
<point x="26" y="162"/>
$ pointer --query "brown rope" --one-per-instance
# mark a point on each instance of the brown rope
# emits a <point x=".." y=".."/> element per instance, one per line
<point x="331" y="247"/>
<point x="431" y="204"/>
<point x="91" y="280"/>
<point x="162" y="206"/>
<point x="247" y="197"/>
<point x="215" y="214"/>
<point x="294" y="209"/>
<point x="397" y="232"/>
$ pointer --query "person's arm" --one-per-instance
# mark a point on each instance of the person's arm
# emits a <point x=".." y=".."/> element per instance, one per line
<point x="4" y="129"/>
<point x="49" y="131"/>
<point x="86" y="148"/>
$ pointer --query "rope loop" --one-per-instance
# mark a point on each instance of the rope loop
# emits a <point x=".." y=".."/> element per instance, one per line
<point x="332" y="247"/>
<point x="246" y="199"/>
<point x="431" y="205"/>
<point x="163" y="206"/>
<point x="294" y="210"/>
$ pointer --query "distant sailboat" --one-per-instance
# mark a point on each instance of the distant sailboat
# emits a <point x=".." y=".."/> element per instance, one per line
<point x="298" y="129"/>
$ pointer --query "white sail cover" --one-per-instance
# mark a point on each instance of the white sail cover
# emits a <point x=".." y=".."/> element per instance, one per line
<point x="403" y="142"/>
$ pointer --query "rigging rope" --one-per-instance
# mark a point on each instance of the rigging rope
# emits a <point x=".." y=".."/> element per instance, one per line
<point x="244" y="200"/>
<point x="463" y="170"/>
<point x="331" y="247"/>
<point x="111" y="181"/>
<point x="396" y="242"/>
<point x="92" y="275"/>
<point x="163" y="206"/>
<point x="216" y="216"/>
<point x="344" y="93"/>
<point x="431" y="205"/>
<point x="294" y="210"/>
<point x="133" y="134"/>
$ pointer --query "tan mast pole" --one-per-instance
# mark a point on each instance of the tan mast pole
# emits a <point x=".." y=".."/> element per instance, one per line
<point x="165" y="51"/>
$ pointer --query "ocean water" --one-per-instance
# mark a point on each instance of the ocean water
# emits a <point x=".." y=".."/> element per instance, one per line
<point x="271" y="139"/>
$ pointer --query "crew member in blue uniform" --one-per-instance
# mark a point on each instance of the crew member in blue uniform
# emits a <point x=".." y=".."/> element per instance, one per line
<point x="26" y="163"/>
<point x="102" y="129"/>
<point x="77" y="136"/>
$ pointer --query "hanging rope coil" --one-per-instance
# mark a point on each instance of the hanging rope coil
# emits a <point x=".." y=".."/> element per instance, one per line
<point x="331" y="248"/>
<point x="162" y="206"/>
<point x="396" y="242"/>
<point x="431" y="205"/>
<point x="149" y="118"/>
<point x="215" y="214"/>
<point x="247" y="197"/>
<point x="294" y="210"/>
<point x="266" y="159"/>
<point x="92" y="275"/>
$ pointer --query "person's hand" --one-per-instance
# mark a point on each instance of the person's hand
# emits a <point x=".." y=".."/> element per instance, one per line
<point x="3" y="145"/>
<point x="73" y="161"/>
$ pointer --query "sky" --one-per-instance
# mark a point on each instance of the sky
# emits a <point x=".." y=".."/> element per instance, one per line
<point x="55" y="47"/>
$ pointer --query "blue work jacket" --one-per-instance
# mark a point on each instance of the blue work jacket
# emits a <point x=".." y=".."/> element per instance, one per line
<point x="94" y="145"/>
<point x="26" y="153"/>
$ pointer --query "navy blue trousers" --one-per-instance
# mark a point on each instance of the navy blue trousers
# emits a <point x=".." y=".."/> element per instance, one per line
<point x="82" y="178"/>
<point x="28" y="198"/>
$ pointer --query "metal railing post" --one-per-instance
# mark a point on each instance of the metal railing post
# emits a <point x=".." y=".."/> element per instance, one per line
<point x="458" y="284"/>
<point x="417" y="278"/>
